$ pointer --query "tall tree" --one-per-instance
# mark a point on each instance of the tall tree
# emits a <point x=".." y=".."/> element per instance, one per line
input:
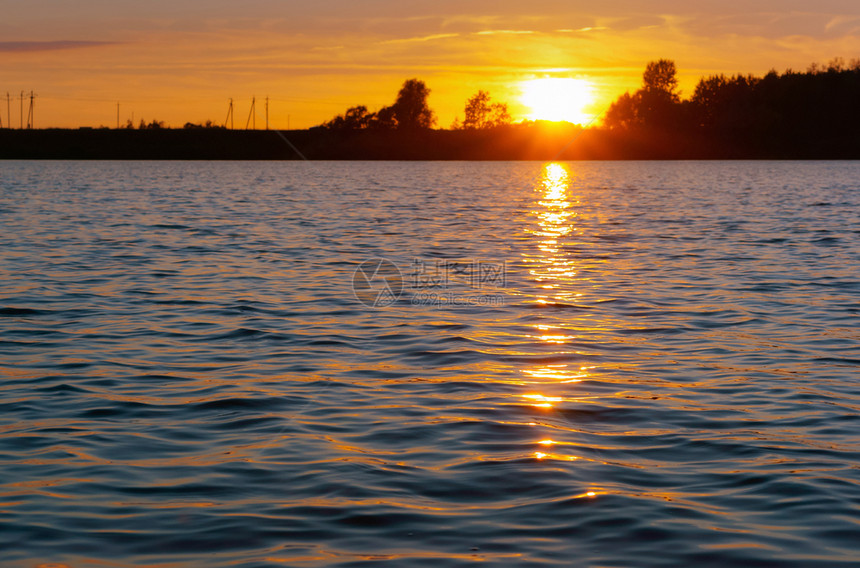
<point x="659" y="77"/>
<point x="658" y="98"/>
<point x="411" y="111"/>
<point x="656" y="104"/>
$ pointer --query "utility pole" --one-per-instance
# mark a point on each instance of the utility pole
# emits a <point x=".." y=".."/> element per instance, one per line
<point x="229" y="116"/>
<point x="267" y="113"/>
<point x="8" y="110"/>
<point x="252" y="114"/>
<point x="31" y="112"/>
<point x="21" y="98"/>
<point x="117" y="116"/>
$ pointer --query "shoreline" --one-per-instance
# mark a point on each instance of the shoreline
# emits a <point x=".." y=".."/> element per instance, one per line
<point x="533" y="143"/>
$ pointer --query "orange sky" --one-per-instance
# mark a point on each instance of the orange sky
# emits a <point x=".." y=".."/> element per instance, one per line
<point x="180" y="61"/>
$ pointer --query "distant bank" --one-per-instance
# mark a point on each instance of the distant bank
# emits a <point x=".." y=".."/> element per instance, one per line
<point x="552" y="142"/>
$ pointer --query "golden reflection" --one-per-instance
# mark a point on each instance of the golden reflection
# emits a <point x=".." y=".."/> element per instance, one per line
<point x="554" y="271"/>
<point x="555" y="181"/>
<point x="558" y="373"/>
<point x="555" y="216"/>
<point x="554" y="457"/>
<point x="549" y="446"/>
<point x="541" y="401"/>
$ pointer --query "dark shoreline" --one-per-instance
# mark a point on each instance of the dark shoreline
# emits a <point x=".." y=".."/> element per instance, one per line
<point x="512" y="143"/>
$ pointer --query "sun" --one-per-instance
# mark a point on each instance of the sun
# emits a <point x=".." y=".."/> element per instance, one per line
<point x="558" y="99"/>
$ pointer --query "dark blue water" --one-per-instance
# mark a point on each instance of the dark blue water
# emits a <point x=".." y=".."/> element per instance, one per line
<point x="582" y="364"/>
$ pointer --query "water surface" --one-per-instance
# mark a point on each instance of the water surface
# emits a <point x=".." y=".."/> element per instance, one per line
<point x="581" y="364"/>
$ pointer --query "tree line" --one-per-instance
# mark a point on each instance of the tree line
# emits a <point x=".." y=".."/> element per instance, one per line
<point x="809" y="112"/>
<point x="791" y="114"/>
<point x="411" y="112"/>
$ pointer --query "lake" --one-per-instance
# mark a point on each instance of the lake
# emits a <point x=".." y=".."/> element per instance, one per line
<point x="265" y="364"/>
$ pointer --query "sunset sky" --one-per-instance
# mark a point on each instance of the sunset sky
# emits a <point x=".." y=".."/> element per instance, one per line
<point x="181" y="60"/>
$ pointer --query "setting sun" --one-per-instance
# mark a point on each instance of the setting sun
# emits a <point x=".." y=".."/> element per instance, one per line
<point x="558" y="99"/>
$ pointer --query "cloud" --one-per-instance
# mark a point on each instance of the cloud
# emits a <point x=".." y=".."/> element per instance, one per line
<point x="840" y="23"/>
<point x="421" y="39"/>
<point x="509" y="32"/>
<point x="25" y="46"/>
<point x="582" y="30"/>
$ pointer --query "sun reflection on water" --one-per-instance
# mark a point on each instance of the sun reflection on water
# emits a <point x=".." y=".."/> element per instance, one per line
<point x="555" y="216"/>
<point x="558" y="374"/>
<point x="553" y="270"/>
<point x="541" y="401"/>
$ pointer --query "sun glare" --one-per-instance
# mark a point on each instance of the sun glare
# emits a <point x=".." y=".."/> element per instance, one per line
<point x="557" y="99"/>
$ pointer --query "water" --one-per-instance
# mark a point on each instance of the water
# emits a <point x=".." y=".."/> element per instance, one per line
<point x="584" y="364"/>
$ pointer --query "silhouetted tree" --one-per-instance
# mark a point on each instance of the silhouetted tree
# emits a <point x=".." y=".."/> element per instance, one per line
<point x="481" y="113"/>
<point x="659" y="77"/>
<point x="355" y="118"/>
<point x="384" y="119"/>
<point x="707" y="98"/>
<point x="655" y="105"/>
<point x="836" y="65"/>
<point x="658" y="96"/>
<point x="411" y="110"/>
<point x="154" y="125"/>
<point x="622" y="114"/>
<point x="207" y="124"/>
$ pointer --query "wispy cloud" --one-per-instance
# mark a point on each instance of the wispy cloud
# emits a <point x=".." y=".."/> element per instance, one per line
<point x="582" y="30"/>
<point x="513" y="32"/>
<point x="843" y="22"/>
<point x="24" y="46"/>
<point x="420" y="39"/>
